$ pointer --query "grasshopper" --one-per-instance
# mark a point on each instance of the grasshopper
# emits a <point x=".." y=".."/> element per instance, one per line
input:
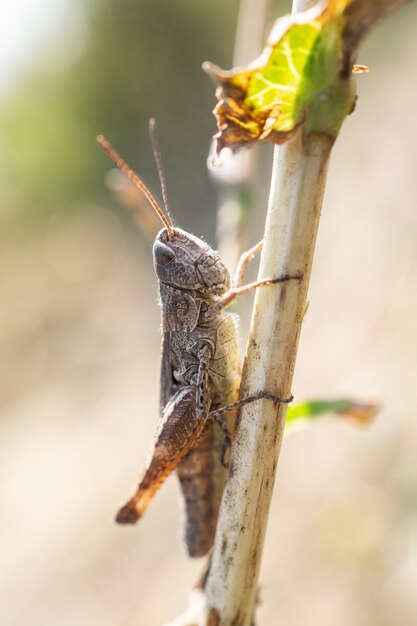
<point x="200" y="372"/>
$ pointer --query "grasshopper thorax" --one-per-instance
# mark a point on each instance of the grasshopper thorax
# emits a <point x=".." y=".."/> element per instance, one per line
<point x="183" y="261"/>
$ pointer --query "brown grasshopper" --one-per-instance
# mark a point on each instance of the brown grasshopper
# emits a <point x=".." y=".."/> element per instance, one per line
<point x="199" y="370"/>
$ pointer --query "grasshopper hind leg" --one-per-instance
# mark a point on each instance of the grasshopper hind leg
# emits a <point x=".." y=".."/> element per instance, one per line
<point x="177" y="431"/>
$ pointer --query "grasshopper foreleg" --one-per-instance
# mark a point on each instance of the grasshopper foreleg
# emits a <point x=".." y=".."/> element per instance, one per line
<point x="234" y="292"/>
<point x="238" y="289"/>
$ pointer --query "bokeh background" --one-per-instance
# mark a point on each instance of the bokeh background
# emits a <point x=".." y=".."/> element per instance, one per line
<point x="79" y="333"/>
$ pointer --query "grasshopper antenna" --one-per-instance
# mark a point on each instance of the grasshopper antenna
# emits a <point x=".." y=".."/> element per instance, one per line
<point x="117" y="159"/>
<point x="158" y="161"/>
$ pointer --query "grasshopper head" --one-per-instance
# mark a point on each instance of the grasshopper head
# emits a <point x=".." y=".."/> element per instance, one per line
<point x="184" y="261"/>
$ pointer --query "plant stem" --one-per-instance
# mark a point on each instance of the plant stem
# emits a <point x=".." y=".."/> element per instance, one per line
<point x="297" y="187"/>
<point x="298" y="180"/>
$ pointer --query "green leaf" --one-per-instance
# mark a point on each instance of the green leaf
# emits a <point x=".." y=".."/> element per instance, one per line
<point x="305" y="412"/>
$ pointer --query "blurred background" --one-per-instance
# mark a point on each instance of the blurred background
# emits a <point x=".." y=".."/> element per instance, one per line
<point x="79" y="332"/>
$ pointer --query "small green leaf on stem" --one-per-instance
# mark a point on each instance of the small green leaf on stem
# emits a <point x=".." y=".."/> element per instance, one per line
<point x="305" y="412"/>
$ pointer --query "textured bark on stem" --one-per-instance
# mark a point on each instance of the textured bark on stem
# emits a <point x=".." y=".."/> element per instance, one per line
<point x="298" y="179"/>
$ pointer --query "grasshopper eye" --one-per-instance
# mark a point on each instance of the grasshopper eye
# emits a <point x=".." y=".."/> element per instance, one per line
<point x="162" y="253"/>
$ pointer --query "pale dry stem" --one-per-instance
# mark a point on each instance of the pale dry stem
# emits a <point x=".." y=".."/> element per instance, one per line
<point x="298" y="180"/>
